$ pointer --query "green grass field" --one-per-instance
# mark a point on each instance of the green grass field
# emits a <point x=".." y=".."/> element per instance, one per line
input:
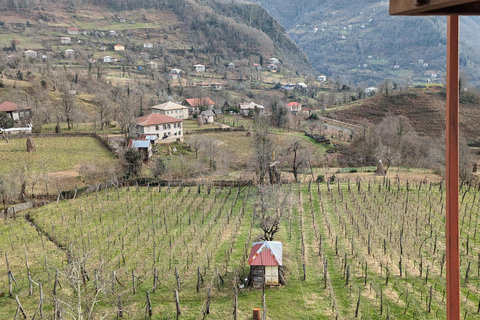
<point x="392" y="234"/>
<point x="59" y="153"/>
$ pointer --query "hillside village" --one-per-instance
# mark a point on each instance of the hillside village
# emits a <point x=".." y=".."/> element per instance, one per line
<point x="182" y="159"/>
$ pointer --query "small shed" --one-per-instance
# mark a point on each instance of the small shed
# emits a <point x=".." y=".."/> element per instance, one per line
<point x="143" y="146"/>
<point x="207" y="116"/>
<point x="265" y="261"/>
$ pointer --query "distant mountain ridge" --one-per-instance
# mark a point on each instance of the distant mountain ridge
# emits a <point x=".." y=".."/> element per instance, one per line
<point x="361" y="43"/>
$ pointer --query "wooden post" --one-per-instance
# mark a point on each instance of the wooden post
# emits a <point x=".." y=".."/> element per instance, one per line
<point x="148" y="310"/>
<point x="177" y="303"/>
<point x="452" y="172"/>
<point x="256" y="313"/>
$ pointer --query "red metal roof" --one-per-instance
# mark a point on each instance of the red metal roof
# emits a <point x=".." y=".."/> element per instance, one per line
<point x="293" y="104"/>
<point x="265" y="257"/>
<point x="8" y="106"/>
<point x="198" y="102"/>
<point x="72" y="29"/>
<point x="154" y="119"/>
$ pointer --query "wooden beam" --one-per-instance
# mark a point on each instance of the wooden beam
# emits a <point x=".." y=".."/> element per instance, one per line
<point x="452" y="172"/>
<point x="434" y="7"/>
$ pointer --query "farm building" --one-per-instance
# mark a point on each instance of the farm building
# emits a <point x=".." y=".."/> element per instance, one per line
<point x="15" y="111"/>
<point x="143" y="146"/>
<point x="66" y="40"/>
<point x="207" y="116"/>
<point x="119" y="47"/>
<point x="264" y="261"/>
<point x="69" y="53"/>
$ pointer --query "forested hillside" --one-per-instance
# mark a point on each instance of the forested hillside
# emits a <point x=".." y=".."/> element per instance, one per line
<point x="228" y="31"/>
<point x="360" y="42"/>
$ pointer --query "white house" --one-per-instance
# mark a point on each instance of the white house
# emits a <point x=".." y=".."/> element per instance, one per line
<point x="148" y="45"/>
<point x="73" y="31"/>
<point x="199" y="68"/>
<point x="273" y="61"/>
<point x="69" y="53"/>
<point x="322" y="78"/>
<point x="152" y="65"/>
<point x="66" y="40"/>
<point x="371" y="91"/>
<point x="107" y="59"/>
<point x="175" y="71"/>
<point x="171" y="109"/>
<point x="246" y="107"/>
<point x="169" y="129"/>
<point x="30" y="54"/>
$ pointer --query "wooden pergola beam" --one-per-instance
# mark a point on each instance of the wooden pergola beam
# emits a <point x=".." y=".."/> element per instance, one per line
<point x="452" y="172"/>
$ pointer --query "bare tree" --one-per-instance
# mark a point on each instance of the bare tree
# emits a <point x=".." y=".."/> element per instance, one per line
<point x="263" y="148"/>
<point x="102" y="102"/>
<point x="298" y="159"/>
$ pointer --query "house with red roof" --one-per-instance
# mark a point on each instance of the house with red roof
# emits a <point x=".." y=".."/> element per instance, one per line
<point x="168" y="129"/>
<point x="264" y="261"/>
<point x="17" y="112"/>
<point x="294" y="107"/>
<point x="119" y="47"/>
<point x="73" y="31"/>
<point x="197" y="105"/>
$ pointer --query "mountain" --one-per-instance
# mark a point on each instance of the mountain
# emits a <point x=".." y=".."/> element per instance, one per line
<point x="360" y="42"/>
<point x="217" y="33"/>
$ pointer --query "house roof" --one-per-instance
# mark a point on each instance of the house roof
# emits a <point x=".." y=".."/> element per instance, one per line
<point x="138" y="143"/>
<point x="170" y="105"/>
<point x="217" y="111"/>
<point x="72" y="29"/>
<point x="119" y="45"/>
<point x="294" y="104"/>
<point x="250" y="105"/>
<point x="207" y="113"/>
<point x="10" y="106"/>
<point x="154" y="119"/>
<point x="266" y="253"/>
<point x="198" y="102"/>
<point x="150" y="137"/>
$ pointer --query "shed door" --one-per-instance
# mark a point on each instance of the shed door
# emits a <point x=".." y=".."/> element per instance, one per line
<point x="274" y="275"/>
<point x="268" y="275"/>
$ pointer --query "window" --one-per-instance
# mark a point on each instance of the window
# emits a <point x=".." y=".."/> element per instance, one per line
<point x="179" y="125"/>
<point x="164" y="127"/>
<point x="157" y="128"/>
<point x="180" y="132"/>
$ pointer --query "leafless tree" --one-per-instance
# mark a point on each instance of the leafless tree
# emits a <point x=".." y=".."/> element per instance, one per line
<point x="263" y="148"/>
<point x="102" y="102"/>
<point x="298" y="158"/>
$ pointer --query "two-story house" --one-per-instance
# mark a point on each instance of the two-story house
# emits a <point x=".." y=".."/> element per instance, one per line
<point x="167" y="128"/>
<point x="171" y="109"/>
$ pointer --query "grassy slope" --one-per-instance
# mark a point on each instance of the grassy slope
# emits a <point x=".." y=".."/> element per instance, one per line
<point x="121" y="230"/>
<point x="424" y="107"/>
<point x="61" y="153"/>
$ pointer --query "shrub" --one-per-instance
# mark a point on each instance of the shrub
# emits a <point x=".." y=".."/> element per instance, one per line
<point x="320" y="178"/>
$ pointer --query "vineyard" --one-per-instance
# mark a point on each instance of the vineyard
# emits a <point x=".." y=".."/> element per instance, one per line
<point x="370" y="249"/>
